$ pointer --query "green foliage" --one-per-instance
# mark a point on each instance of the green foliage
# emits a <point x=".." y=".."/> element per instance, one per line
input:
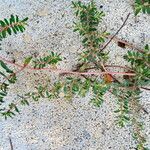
<point x="87" y="26"/>
<point x="89" y="17"/>
<point x="12" y="25"/>
<point x="137" y="124"/>
<point x="3" y="92"/>
<point x="142" y="5"/>
<point x="8" y="76"/>
<point x="75" y="86"/>
<point x="41" y="92"/>
<point x="51" y="59"/>
<point x="99" y="90"/>
<point x="45" y="91"/>
<point x="27" y="60"/>
<point x="122" y="111"/>
<point x="7" y="73"/>
<point x="127" y="90"/>
<point x="140" y="63"/>
<point x="72" y="86"/>
<point x="12" y="109"/>
<point x="138" y="136"/>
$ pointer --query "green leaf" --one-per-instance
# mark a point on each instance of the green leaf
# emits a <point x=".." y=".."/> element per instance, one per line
<point x="9" y="31"/>
<point x="27" y="60"/>
<point x="16" y="109"/>
<point x="3" y="74"/>
<point x="147" y="47"/>
<point x="17" y="18"/>
<point x="6" y="21"/>
<point x="14" y="30"/>
<point x="24" y="102"/>
<point x="2" y="23"/>
<point x="92" y="29"/>
<point x="137" y="11"/>
<point x="116" y="111"/>
<point x="24" y="20"/>
<point x="5" y="67"/>
<point x="21" y="28"/>
<point x="16" y="27"/>
<point x="3" y="94"/>
<point x="75" y="88"/>
<point x="148" y="10"/>
<point x="85" y="40"/>
<point x="12" y="19"/>
<point x="4" y="33"/>
<point x="126" y="118"/>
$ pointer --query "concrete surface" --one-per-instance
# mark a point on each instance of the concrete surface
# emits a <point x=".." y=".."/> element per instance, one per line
<point x="57" y="124"/>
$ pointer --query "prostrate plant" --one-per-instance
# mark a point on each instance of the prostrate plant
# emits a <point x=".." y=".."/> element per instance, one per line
<point x="89" y="18"/>
<point x="7" y="27"/>
<point x="8" y="76"/>
<point x="142" y="5"/>
<point x="74" y="83"/>
<point x="140" y="64"/>
<point x="126" y="91"/>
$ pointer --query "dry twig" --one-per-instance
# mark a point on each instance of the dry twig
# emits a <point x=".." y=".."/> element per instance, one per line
<point x="115" y="33"/>
<point x="11" y="144"/>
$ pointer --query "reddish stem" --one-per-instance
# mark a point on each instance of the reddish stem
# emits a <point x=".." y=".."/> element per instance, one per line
<point x="61" y="71"/>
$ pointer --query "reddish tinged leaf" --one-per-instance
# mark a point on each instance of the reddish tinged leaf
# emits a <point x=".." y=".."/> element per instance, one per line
<point x="121" y="44"/>
<point x="108" y="78"/>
